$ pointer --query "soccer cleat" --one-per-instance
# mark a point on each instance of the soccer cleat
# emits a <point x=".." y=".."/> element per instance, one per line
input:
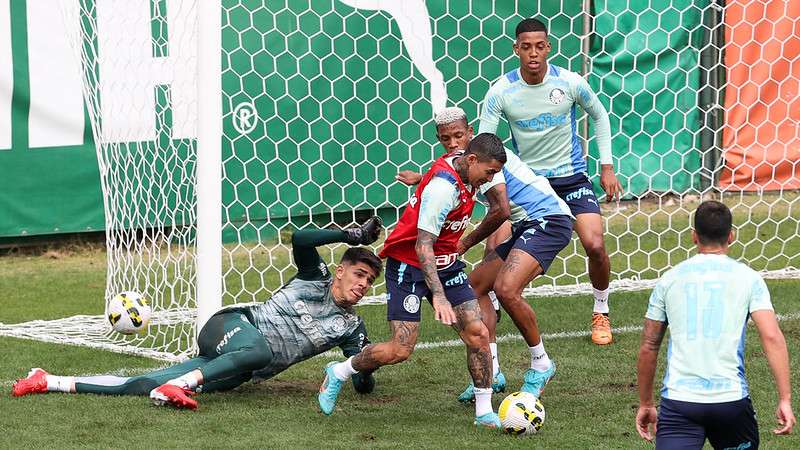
<point x="498" y="385"/>
<point x="365" y="234"/>
<point x="601" y="329"/>
<point x="488" y="420"/>
<point x="536" y="380"/>
<point x="170" y="394"/>
<point x="468" y="395"/>
<point x="34" y="383"/>
<point x="329" y="390"/>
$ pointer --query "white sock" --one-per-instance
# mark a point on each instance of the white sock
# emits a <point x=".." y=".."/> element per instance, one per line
<point x="601" y="300"/>
<point x="483" y="401"/>
<point x="493" y="298"/>
<point x="539" y="359"/>
<point x="59" y="384"/>
<point x="187" y="380"/>
<point x="495" y="360"/>
<point x="344" y="370"/>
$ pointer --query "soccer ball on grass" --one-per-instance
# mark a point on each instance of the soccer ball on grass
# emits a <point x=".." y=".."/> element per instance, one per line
<point x="521" y="413"/>
<point x="128" y="313"/>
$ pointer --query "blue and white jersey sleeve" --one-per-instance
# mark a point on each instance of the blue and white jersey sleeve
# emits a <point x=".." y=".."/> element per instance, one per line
<point x="438" y="198"/>
<point x="759" y="295"/>
<point x="530" y="196"/>
<point x="656" y="307"/>
<point x="588" y="101"/>
<point x="492" y="109"/>
<point x="543" y="120"/>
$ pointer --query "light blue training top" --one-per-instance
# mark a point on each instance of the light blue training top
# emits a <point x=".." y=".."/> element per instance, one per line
<point x="706" y="301"/>
<point x="543" y="120"/>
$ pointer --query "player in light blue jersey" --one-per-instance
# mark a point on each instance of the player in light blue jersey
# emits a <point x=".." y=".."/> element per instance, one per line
<point x="705" y="302"/>
<point x="541" y="227"/>
<point x="539" y="100"/>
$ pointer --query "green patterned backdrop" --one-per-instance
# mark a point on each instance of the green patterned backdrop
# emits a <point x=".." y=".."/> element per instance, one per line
<point x="646" y="71"/>
<point x="342" y="107"/>
<point x="338" y="107"/>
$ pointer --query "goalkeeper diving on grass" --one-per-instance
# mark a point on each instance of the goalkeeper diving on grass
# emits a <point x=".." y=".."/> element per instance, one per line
<point x="311" y="314"/>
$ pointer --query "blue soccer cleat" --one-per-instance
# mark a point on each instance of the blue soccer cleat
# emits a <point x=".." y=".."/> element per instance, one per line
<point x="536" y="380"/>
<point x="468" y="395"/>
<point x="488" y="420"/>
<point x="329" y="390"/>
<point x="498" y="385"/>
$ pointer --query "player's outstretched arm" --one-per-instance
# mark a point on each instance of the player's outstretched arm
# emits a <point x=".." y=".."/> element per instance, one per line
<point x="408" y="177"/>
<point x="499" y="211"/>
<point x="305" y="243"/>
<point x="427" y="263"/>
<point x="774" y="345"/>
<point x="652" y="335"/>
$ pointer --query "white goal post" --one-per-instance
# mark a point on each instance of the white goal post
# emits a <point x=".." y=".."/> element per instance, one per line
<point x="209" y="162"/>
<point x="222" y="125"/>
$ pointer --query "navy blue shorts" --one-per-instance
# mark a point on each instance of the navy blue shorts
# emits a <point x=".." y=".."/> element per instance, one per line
<point x="686" y="425"/>
<point x="541" y="238"/>
<point x="576" y="190"/>
<point x="406" y="286"/>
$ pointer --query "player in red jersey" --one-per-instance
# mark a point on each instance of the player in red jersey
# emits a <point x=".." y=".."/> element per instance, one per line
<point x="422" y="261"/>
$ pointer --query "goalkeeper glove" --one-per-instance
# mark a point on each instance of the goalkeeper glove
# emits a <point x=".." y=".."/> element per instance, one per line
<point x="365" y="234"/>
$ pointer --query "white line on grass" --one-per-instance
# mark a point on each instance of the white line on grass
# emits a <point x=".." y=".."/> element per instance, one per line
<point x="548" y="336"/>
<point x="336" y="354"/>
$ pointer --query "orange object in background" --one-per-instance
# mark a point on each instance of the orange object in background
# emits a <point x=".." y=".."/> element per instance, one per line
<point x="761" y="136"/>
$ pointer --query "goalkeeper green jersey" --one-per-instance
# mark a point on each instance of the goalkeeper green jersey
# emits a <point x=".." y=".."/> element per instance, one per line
<point x="301" y="319"/>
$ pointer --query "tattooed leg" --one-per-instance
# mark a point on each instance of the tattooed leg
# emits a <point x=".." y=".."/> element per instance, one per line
<point x="519" y="269"/>
<point x="482" y="279"/>
<point x="475" y="335"/>
<point x="397" y="350"/>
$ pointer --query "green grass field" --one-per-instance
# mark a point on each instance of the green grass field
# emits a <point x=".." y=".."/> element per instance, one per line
<point x="590" y="404"/>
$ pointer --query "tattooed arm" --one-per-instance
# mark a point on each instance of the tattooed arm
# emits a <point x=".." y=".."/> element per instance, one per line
<point x="427" y="263"/>
<point x="499" y="212"/>
<point x="652" y="336"/>
<point x="437" y="199"/>
<point x="404" y="338"/>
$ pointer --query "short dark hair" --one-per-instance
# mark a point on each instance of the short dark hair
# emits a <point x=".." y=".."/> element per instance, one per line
<point x="355" y="255"/>
<point x="530" y="25"/>
<point x="487" y="147"/>
<point x="712" y="223"/>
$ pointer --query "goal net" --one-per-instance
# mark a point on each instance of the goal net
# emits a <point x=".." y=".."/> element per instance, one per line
<point x="324" y="102"/>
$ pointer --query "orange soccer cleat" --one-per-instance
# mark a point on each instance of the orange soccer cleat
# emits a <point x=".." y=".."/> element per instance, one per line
<point x="34" y="383"/>
<point x="601" y="329"/>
